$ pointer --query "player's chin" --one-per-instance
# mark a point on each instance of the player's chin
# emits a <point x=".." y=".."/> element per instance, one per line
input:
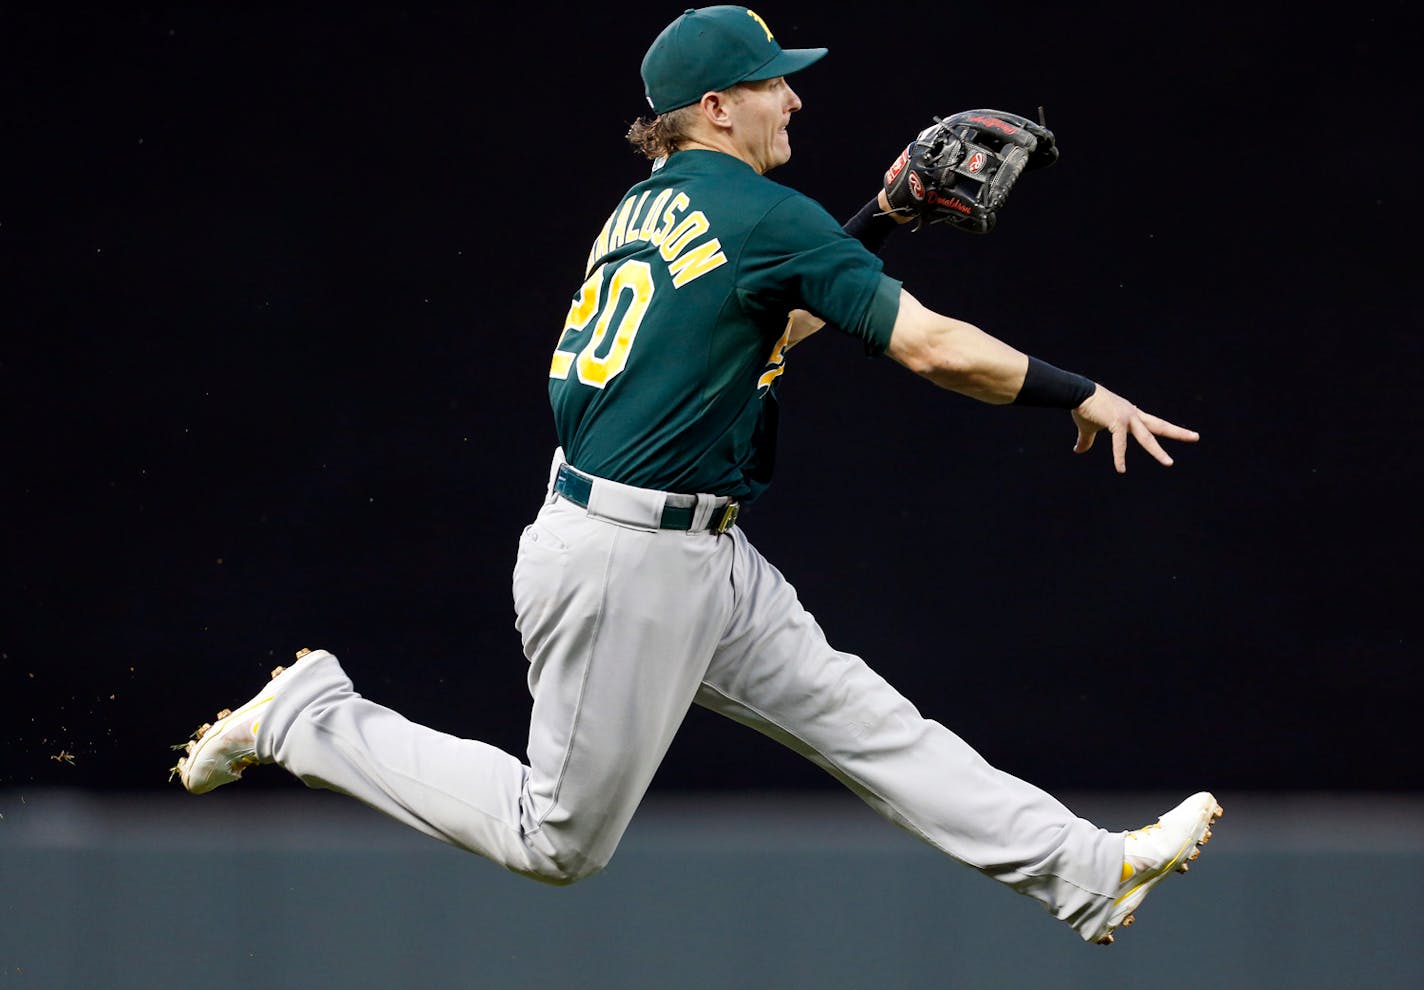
<point x="781" y="150"/>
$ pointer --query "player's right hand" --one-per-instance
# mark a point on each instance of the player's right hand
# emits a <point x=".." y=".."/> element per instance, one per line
<point x="1105" y="410"/>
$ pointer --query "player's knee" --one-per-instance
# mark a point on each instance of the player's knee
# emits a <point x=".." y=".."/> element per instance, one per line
<point x="565" y="866"/>
<point x="563" y="878"/>
<point x="564" y="873"/>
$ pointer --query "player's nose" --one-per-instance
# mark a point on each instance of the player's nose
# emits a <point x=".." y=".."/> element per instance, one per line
<point x="793" y="102"/>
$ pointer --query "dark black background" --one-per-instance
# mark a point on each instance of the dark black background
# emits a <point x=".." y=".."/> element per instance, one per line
<point x="280" y="285"/>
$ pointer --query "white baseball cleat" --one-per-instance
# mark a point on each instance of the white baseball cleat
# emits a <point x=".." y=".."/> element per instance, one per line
<point x="1150" y="853"/>
<point x="220" y="750"/>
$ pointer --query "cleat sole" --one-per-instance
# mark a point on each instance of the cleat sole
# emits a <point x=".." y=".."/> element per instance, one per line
<point x="201" y="733"/>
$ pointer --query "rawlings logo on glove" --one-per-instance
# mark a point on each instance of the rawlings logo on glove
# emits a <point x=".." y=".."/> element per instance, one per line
<point x="959" y="170"/>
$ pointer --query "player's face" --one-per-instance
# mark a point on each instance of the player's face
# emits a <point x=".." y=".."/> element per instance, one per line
<point x="760" y="114"/>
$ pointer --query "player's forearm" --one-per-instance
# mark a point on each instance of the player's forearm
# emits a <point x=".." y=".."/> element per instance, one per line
<point x="956" y="355"/>
<point x="971" y="362"/>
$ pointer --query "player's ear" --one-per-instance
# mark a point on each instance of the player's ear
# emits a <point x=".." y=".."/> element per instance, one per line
<point x="714" y="105"/>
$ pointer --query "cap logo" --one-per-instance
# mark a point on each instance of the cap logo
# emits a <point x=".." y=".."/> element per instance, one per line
<point x="714" y="48"/>
<point x="757" y="17"/>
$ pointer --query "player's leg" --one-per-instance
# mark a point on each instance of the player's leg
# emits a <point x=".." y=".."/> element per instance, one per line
<point x="611" y="680"/>
<point x="775" y="672"/>
<point x="618" y="645"/>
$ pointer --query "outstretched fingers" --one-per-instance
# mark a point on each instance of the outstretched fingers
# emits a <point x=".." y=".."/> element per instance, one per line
<point x="1106" y="411"/>
<point x="1171" y="431"/>
<point x="1146" y="428"/>
<point x="1144" y="436"/>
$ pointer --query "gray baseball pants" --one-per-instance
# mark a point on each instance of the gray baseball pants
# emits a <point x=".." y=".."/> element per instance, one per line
<point x="626" y="626"/>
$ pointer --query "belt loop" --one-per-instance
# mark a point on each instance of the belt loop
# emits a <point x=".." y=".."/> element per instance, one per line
<point x="702" y="511"/>
<point x="554" y="466"/>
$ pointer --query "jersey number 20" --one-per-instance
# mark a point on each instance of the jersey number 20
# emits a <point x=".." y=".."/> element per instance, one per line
<point x="595" y="368"/>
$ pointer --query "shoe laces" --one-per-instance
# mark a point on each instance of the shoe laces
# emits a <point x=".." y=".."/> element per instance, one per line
<point x="1140" y="833"/>
<point x="1135" y="864"/>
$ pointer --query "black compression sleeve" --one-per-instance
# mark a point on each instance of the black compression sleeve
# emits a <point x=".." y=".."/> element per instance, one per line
<point x="870" y="227"/>
<point x="1045" y="385"/>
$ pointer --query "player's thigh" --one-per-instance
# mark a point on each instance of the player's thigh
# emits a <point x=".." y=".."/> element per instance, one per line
<point x="775" y="671"/>
<point x="618" y="625"/>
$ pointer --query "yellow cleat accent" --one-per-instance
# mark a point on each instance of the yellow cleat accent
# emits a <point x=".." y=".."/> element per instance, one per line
<point x="1154" y="852"/>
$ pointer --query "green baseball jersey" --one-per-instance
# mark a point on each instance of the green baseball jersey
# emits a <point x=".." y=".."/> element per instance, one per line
<point x="665" y="374"/>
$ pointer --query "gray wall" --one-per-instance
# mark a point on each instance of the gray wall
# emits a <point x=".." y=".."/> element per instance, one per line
<point x="268" y="891"/>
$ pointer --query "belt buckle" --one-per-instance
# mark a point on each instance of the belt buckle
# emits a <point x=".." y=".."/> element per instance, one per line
<point x="727" y="517"/>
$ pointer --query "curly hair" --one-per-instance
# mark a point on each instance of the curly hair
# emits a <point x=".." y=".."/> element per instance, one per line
<point x="661" y="135"/>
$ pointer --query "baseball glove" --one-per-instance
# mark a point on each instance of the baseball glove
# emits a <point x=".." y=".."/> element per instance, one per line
<point x="959" y="170"/>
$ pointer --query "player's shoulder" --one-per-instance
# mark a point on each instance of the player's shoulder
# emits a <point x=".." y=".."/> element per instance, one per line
<point x="743" y="209"/>
<point x="725" y="177"/>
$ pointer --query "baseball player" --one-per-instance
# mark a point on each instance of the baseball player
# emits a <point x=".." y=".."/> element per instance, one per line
<point x="638" y="595"/>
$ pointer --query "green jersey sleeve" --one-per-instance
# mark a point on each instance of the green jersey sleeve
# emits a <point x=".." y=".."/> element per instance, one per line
<point x="798" y="257"/>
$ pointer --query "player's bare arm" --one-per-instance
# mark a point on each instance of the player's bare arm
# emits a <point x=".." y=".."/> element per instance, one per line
<point x="958" y="356"/>
<point x="955" y="355"/>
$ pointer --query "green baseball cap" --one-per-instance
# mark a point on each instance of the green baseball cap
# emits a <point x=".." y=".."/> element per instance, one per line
<point x="713" y="48"/>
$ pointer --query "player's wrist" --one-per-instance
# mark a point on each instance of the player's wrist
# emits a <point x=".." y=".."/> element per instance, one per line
<point x="871" y="226"/>
<point x="1047" y="386"/>
<point x="899" y="216"/>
